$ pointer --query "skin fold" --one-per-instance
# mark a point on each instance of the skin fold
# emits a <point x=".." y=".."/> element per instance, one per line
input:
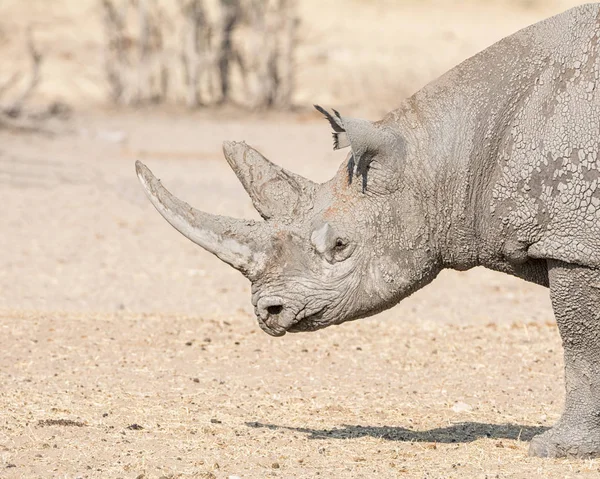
<point x="494" y="164"/>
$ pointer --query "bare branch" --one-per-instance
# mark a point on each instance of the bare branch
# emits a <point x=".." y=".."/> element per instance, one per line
<point x="16" y="107"/>
<point x="10" y="83"/>
<point x="13" y="116"/>
<point x="242" y="50"/>
<point x="25" y="125"/>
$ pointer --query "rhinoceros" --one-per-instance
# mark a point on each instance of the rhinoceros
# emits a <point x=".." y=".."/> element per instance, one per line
<point x="494" y="164"/>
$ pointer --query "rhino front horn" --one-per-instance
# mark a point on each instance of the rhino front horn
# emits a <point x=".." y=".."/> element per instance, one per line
<point x="232" y="240"/>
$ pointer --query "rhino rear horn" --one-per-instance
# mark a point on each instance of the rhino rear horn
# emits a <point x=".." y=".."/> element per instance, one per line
<point x="275" y="192"/>
<point x="236" y="242"/>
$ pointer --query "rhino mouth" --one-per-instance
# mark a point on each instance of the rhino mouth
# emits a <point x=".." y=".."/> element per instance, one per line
<point x="305" y="323"/>
<point x="270" y="328"/>
<point x="310" y="322"/>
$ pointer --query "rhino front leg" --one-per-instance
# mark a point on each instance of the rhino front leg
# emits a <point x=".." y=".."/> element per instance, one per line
<point x="575" y="294"/>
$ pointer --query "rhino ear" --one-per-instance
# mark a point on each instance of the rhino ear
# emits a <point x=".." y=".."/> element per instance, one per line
<point x="275" y="192"/>
<point x="365" y="138"/>
<point x="340" y="138"/>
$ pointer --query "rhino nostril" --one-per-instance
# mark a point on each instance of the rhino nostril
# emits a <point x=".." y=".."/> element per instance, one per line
<point x="269" y="306"/>
<point x="275" y="309"/>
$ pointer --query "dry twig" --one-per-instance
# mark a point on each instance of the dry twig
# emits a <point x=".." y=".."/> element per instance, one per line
<point x="212" y="38"/>
<point x="13" y="114"/>
<point x="15" y="108"/>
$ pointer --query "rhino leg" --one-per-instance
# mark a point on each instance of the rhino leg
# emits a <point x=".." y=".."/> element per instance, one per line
<point x="575" y="295"/>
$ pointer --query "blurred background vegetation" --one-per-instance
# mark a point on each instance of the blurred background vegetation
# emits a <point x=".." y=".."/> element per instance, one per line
<point x="255" y="54"/>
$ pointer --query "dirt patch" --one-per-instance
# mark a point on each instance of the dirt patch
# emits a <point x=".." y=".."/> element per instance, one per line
<point x="371" y="399"/>
<point x="59" y="422"/>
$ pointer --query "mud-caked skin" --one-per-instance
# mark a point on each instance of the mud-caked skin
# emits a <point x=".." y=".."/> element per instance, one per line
<point x="494" y="164"/>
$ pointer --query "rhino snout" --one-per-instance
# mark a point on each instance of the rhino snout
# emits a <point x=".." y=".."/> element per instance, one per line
<point x="273" y="315"/>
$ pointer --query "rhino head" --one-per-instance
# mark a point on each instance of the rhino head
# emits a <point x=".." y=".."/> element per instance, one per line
<point x="325" y="253"/>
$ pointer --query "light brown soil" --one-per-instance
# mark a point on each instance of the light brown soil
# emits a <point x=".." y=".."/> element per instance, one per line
<point x="128" y="352"/>
<point x="213" y="395"/>
<point x="158" y="334"/>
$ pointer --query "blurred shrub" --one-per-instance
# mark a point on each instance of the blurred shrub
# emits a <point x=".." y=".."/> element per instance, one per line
<point x="201" y="52"/>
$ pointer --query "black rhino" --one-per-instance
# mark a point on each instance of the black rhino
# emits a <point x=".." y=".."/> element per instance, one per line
<point x="494" y="164"/>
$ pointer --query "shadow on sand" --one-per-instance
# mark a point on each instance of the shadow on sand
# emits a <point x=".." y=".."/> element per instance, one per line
<point x="462" y="432"/>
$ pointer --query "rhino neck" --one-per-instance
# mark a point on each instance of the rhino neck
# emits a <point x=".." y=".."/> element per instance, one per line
<point x="441" y="173"/>
<point x="459" y="126"/>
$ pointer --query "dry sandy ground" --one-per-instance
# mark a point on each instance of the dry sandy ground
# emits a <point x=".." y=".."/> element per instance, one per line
<point x="160" y="395"/>
<point x="128" y="352"/>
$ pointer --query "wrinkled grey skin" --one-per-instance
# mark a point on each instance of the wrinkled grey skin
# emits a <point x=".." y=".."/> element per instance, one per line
<point x="494" y="164"/>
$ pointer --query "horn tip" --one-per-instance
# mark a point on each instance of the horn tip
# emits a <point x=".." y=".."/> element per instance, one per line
<point x="144" y="175"/>
<point x="141" y="169"/>
<point x="229" y="147"/>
